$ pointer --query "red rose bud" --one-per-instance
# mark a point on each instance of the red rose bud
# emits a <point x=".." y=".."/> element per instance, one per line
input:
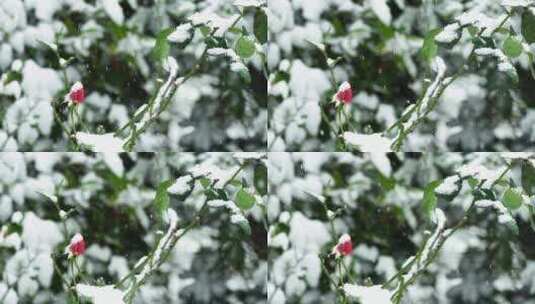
<point x="344" y="94"/>
<point x="77" y="245"/>
<point x="77" y="93"/>
<point x="344" y="246"/>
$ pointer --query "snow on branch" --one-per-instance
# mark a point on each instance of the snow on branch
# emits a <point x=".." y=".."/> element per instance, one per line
<point x="416" y="112"/>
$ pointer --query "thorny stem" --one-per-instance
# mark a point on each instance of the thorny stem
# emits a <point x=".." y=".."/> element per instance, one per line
<point x="396" y="145"/>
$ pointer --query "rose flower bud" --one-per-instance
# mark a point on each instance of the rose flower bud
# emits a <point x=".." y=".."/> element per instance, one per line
<point x="77" y="93"/>
<point x="77" y="246"/>
<point x="344" y="246"/>
<point x="344" y="94"/>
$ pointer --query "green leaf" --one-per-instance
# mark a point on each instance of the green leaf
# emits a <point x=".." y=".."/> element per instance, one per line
<point x="528" y="26"/>
<point x="429" y="202"/>
<point x="472" y="182"/>
<point x="261" y="26"/>
<point x="161" y="48"/>
<point x="260" y="179"/>
<point x="512" y="199"/>
<point x="245" y="227"/>
<point x="245" y="76"/>
<point x="245" y="47"/>
<point x="483" y="194"/>
<point x="205" y="182"/>
<point x="12" y="76"/>
<point x="205" y="31"/>
<point x="512" y="47"/>
<point x="244" y="199"/>
<point x="528" y="178"/>
<point x="387" y="183"/>
<point x="513" y="226"/>
<point x="429" y="49"/>
<point x="161" y="201"/>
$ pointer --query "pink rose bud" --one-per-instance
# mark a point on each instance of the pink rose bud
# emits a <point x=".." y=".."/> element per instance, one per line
<point x="77" y="93"/>
<point x="344" y="94"/>
<point x="344" y="246"/>
<point x="77" y="245"/>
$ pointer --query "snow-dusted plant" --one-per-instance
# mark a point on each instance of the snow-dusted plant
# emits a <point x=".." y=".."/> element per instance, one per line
<point x="446" y="74"/>
<point x="122" y="228"/>
<point x="372" y="228"/>
<point x="86" y="76"/>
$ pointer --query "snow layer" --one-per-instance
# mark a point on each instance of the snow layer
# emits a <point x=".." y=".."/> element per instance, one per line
<point x="101" y="142"/>
<point x="181" y="186"/>
<point x="373" y="294"/>
<point x="368" y="143"/>
<point x="181" y="33"/>
<point x="449" y="185"/>
<point x="101" y="294"/>
<point x="114" y="10"/>
<point x="381" y="9"/>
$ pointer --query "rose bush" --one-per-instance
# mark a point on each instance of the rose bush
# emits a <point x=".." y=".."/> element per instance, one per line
<point x="446" y="75"/>
<point x="132" y="228"/>
<point x="157" y="75"/>
<point x="401" y="228"/>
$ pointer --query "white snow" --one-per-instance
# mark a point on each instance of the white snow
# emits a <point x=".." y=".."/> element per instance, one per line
<point x="449" y="185"/>
<point x="381" y="9"/>
<point x="381" y="162"/>
<point x="368" y="142"/>
<point x="101" y="142"/>
<point x="236" y="214"/>
<point x="181" y="33"/>
<point x="76" y="87"/>
<point x="249" y="155"/>
<point x="40" y="235"/>
<point x="216" y="174"/>
<point x="40" y="83"/>
<point x="220" y="24"/>
<point x="101" y="294"/>
<point x="114" y="10"/>
<point x="307" y="235"/>
<point x="76" y="238"/>
<point x="249" y="3"/>
<point x="517" y="3"/>
<point x="372" y="294"/>
<point x="504" y="215"/>
<point x="344" y="86"/>
<point x="449" y="33"/>
<point x="504" y="64"/>
<point x="480" y="20"/>
<point x="307" y="83"/>
<point x="12" y="15"/>
<point x="114" y="162"/>
<point x="181" y="186"/>
<point x="479" y="172"/>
